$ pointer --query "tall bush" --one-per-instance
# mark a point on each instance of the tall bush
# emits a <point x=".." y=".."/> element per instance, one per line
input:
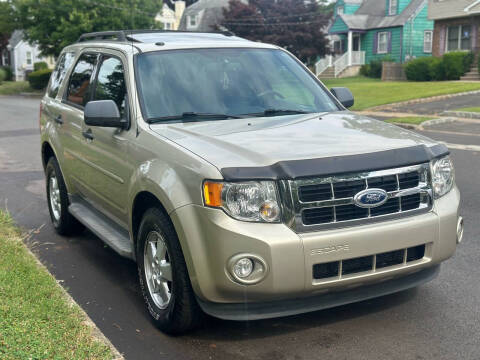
<point x="8" y="73"/>
<point x="454" y="64"/>
<point x="39" y="79"/>
<point x="40" y="65"/>
<point x="3" y="75"/>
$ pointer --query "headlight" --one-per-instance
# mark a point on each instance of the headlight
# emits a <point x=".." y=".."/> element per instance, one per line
<point x="247" y="201"/>
<point x="443" y="176"/>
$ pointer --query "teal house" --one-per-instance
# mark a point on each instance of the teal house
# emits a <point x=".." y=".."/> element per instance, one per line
<point x="366" y="30"/>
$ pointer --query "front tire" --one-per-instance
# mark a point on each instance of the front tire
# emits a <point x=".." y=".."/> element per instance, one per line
<point x="163" y="275"/>
<point x="57" y="198"/>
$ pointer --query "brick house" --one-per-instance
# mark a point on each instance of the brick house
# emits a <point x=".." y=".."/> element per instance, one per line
<point x="456" y="28"/>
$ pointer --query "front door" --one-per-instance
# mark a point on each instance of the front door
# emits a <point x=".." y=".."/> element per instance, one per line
<point x="356" y="42"/>
<point x="107" y="148"/>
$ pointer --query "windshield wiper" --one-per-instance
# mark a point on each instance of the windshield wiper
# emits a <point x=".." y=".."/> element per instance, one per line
<point x="192" y="116"/>
<point x="276" y="112"/>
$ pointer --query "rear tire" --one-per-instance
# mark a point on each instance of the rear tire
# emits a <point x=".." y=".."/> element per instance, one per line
<point x="57" y="198"/>
<point x="163" y="275"/>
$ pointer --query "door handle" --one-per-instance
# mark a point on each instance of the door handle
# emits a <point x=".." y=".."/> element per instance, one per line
<point x="87" y="134"/>
<point x="59" y="119"/>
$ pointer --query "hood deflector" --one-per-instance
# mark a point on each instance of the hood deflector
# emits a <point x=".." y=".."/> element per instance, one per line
<point x="295" y="169"/>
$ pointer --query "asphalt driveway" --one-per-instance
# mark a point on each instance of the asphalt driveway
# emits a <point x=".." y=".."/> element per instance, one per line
<point x="440" y="320"/>
<point x="436" y="107"/>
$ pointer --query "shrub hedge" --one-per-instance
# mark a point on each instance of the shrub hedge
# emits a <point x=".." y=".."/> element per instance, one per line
<point x="374" y="69"/>
<point x="3" y="75"/>
<point x="451" y="66"/>
<point x="39" y="79"/>
<point x="40" y="65"/>
<point x="8" y="72"/>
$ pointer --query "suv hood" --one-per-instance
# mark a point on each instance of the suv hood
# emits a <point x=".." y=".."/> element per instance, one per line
<point x="268" y="140"/>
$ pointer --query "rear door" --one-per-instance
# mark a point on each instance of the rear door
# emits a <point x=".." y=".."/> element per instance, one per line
<point x="76" y="95"/>
<point x="52" y="104"/>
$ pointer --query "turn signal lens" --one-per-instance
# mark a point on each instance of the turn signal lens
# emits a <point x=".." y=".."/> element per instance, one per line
<point x="212" y="192"/>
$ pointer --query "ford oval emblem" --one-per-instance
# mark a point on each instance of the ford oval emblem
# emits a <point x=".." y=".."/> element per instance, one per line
<point x="371" y="198"/>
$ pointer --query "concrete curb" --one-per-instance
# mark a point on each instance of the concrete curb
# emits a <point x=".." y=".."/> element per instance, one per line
<point x="96" y="332"/>
<point x="424" y="100"/>
<point x="437" y="122"/>
<point x="462" y="114"/>
<point x="407" y="126"/>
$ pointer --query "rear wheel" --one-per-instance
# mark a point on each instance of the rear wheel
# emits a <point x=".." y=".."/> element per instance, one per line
<point x="57" y="197"/>
<point x="163" y="275"/>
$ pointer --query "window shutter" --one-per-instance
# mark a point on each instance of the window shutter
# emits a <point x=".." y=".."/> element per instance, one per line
<point x="389" y="42"/>
<point x="375" y="43"/>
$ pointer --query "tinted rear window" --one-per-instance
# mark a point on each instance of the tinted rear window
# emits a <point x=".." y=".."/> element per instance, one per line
<point x="59" y="73"/>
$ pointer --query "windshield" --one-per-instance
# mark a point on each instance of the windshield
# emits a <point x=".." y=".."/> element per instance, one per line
<point x="226" y="84"/>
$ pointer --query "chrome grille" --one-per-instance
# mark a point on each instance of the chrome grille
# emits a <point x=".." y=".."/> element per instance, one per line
<point x="328" y="202"/>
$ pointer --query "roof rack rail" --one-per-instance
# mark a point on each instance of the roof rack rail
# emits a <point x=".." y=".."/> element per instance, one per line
<point x="126" y="35"/>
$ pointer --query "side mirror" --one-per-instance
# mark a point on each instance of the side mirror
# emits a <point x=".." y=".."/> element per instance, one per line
<point x="103" y="113"/>
<point x="343" y="95"/>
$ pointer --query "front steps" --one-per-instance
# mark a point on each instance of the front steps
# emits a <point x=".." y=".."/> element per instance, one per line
<point x="473" y="74"/>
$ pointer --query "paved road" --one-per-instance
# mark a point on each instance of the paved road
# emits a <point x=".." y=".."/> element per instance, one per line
<point x="437" y="107"/>
<point x="440" y="320"/>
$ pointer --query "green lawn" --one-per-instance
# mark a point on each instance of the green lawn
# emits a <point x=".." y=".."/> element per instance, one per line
<point x="372" y="92"/>
<point x="36" y="320"/>
<point x="16" y="87"/>
<point x="470" y="109"/>
<point x="415" y="120"/>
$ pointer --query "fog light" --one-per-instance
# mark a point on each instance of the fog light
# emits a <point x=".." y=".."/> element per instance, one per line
<point x="247" y="269"/>
<point x="243" y="268"/>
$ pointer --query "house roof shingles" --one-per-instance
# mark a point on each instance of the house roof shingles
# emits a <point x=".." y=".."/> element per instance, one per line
<point x="372" y="15"/>
<point x="446" y="9"/>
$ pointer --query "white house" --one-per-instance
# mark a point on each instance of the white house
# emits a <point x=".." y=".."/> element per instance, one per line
<point x="170" y="19"/>
<point x="20" y="56"/>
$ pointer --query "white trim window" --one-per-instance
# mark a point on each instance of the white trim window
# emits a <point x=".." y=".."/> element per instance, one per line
<point x="340" y="10"/>
<point x="382" y="45"/>
<point x="427" y="41"/>
<point x="192" y="21"/>
<point x="459" y="37"/>
<point x="28" y="56"/>
<point x="392" y="8"/>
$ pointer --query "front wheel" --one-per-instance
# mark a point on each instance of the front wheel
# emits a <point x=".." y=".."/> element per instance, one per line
<point x="163" y="275"/>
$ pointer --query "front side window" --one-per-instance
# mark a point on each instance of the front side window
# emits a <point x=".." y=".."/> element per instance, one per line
<point x="382" y="43"/>
<point x="459" y="38"/>
<point x="340" y="10"/>
<point x="79" y="85"/>
<point x="240" y="82"/>
<point x="29" y="58"/>
<point x="111" y="83"/>
<point x="427" y="41"/>
<point x="59" y="73"/>
<point x="392" y="10"/>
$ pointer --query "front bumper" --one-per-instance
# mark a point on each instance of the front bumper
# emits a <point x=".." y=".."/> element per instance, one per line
<point x="273" y="309"/>
<point x="209" y="238"/>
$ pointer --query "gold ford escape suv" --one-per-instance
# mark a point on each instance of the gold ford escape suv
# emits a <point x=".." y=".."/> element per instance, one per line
<point x="239" y="184"/>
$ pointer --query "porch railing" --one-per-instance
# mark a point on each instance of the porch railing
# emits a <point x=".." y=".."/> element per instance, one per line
<point x="323" y="64"/>
<point x="340" y="63"/>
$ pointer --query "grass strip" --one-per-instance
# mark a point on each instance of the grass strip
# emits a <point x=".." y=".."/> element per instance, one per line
<point x="36" y="319"/>
<point x="369" y="93"/>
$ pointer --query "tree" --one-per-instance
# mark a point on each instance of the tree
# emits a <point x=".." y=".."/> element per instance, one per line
<point x="54" y="24"/>
<point x="292" y="24"/>
<point x="7" y="23"/>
